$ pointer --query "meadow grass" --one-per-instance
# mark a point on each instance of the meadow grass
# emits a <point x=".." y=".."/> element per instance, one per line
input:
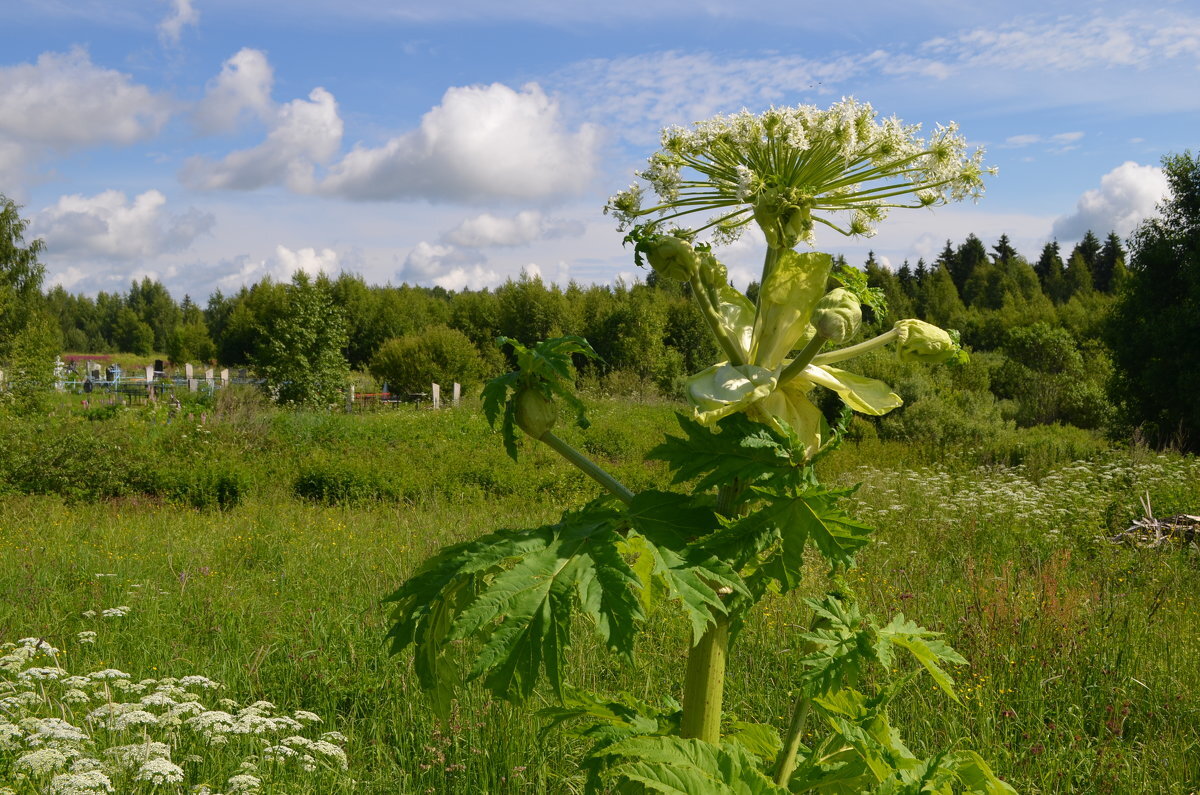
<point x="1084" y="654"/>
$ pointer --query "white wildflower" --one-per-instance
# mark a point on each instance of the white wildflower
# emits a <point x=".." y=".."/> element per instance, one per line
<point x="115" y="612"/>
<point x="160" y="771"/>
<point x="243" y="783"/>
<point x="86" y="636"/>
<point x="137" y="717"/>
<point x="108" y="673"/>
<point x="306" y="716"/>
<point x="40" y="762"/>
<point x="91" y="782"/>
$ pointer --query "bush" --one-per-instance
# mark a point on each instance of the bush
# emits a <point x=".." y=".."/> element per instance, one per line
<point x="439" y="354"/>
<point x="340" y="483"/>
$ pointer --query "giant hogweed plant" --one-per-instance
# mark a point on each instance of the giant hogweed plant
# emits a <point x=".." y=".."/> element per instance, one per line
<point x="748" y="515"/>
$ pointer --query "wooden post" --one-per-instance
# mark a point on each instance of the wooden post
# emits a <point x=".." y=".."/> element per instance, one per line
<point x="350" y="399"/>
<point x="437" y="396"/>
<point x="187" y="371"/>
<point x="225" y="377"/>
<point x="457" y="394"/>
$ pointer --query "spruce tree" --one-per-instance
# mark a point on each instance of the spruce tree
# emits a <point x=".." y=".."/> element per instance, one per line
<point x="1051" y="272"/>
<point x="1106" y="263"/>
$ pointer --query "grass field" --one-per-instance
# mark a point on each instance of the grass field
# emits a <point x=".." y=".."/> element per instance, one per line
<point x="1084" y="654"/>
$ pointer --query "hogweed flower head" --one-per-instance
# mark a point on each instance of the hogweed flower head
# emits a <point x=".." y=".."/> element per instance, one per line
<point x="791" y="168"/>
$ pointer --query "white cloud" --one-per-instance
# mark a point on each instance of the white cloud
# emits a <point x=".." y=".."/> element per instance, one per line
<point x="1127" y="195"/>
<point x="525" y="227"/>
<point x="447" y="266"/>
<point x="1136" y="39"/>
<point x="181" y="15"/>
<point x="304" y="133"/>
<point x="280" y="266"/>
<point x="243" y="86"/>
<point x="639" y="94"/>
<point x="480" y="142"/>
<point x="109" y="226"/>
<point x="66" y="101"/>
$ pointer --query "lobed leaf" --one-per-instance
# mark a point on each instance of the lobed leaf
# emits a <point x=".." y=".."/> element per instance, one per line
<point x="685" y="767"/>
<point x="743" y="449"/>
<point x="516" y="592"/>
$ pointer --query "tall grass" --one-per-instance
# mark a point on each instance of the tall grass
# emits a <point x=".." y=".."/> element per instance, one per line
<point x="1084" y="653"/>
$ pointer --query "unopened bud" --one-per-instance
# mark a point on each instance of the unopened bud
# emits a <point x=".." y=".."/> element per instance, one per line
<point x="671" y="257"/>
<point x="837" y="316"/>
<point x="919" y="341"/>
<point x="536" y="413"/>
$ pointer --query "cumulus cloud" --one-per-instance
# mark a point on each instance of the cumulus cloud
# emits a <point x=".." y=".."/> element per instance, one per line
<point x="280" y="266"/>
<point x="481" y="142"/>
<point x="525" y="227"/>
<point x="303" y="134"/>
<point x="1127" y="195"/>
<point x="110" y="226"/>
<point x="181" y="15"/>
<point x="66" y="101"/>
<point x="243" y="87"/>
<point x="447" y="266"/>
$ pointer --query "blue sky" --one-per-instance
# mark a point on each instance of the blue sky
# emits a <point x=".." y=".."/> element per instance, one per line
<point x="208" y="143"/>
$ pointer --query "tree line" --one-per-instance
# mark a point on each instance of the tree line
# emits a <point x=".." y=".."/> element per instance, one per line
<point x="1095" y="299"/>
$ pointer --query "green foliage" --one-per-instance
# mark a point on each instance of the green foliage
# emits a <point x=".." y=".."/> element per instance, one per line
<point x="30" y="375"/>
<point x="438" y="354"/>
<point x="21" y="273"/>
<point x="1051" y="380"/>
<point x="1156" y="320"/>
<point x="301" y="356"/>
<point x="546" y="369"/>
<point x="516" y="592"/>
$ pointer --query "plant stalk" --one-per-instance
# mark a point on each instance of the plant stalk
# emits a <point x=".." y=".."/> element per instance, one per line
<point x="588" y="467"/>
<point x="787" y="757"/>
<point x="842" y="354"/>
<point x="802" y="360"/>
<point x="704" y="685"/>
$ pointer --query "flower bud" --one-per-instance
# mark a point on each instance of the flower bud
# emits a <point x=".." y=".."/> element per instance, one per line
<point x="919" y="341"/>
<point x="713" y="274"/>
<point x="837" y="316"/>
<point x="671" y="257"/>
<point x="536" y="413"/>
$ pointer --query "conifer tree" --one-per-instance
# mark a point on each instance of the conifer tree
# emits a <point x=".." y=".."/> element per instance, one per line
<point x="1051" y="272"/>
<point x="1106" y="263"/>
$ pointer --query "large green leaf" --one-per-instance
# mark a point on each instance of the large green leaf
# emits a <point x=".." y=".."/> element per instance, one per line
<point x="515" y="592"/>
<point x="743" y="449"/>
<point x="677" y="766"/>
<point x="779" y="529"/>
<point x="667" y="523"/>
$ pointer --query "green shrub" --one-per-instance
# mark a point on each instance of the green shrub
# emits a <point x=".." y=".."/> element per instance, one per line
<point x="439" y="354"/>
<point x="340" y="483"/>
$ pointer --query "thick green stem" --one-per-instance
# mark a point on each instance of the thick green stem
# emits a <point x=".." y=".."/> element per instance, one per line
<point x="842" y="354"/>
<point x="589" y="467"/>
<point x="791" y="746"/>
<point x="802" y="360"/>
<point x="704" y="685"/>
<point x="713" y="318"/>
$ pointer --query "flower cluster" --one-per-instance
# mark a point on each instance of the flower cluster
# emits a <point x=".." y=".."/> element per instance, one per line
<point x="103" y="732"/>
<point x="793" y="167"/>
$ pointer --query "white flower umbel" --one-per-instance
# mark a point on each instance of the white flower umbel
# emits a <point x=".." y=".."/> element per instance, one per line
<point x="790" y="168"/>
<point x="159" y="771"/>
